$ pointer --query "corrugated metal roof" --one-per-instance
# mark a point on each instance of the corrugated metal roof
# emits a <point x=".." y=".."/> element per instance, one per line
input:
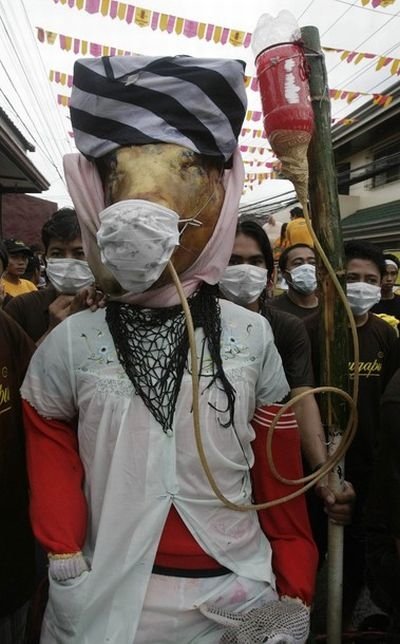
<point x="20" y="137"/>
<point x="383" y="213"/>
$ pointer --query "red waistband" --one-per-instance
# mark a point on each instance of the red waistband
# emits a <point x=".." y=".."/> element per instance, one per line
<point x="179" y="549"/>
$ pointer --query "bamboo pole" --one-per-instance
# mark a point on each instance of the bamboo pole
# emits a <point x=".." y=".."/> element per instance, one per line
<point x="333" y="336"/>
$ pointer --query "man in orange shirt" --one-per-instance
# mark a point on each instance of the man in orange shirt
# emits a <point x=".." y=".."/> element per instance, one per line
<point x="297" y="231"/>
<point x="18" y="255"/>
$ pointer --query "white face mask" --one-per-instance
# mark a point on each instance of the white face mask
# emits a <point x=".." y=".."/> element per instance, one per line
<point x="69" y="275"/>
<point x="136" y="240"/>
<point x="362" y="296"/>
<point x="304" y="279"/>
<point x="243" y="283"/>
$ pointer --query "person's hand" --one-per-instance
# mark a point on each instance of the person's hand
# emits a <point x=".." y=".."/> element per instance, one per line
<point x="337" y="505"/>
<point x="88" y="297"/>
<point x="94" y="298"/>
<point x="59" y="310"/>
<point x="65" y="305"/>
<point x="67" y="567"/>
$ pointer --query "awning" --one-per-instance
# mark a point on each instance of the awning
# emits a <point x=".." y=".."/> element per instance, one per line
<point x="17" y="172"/>
<point x="378" y="224"/>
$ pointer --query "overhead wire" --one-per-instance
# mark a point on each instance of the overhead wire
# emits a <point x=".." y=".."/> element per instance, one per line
<point x="366" y="40"/>
<point x="359" y="74"/>
<point x="26" y="77"/>
<point x="36" y="106"/>
<point x="352" y="77"/>
<point x="45" y="75"/>
<point x="304" y="10"/>
<point x="364" y="7"/>
<point x="338" y="19"/>
<point x="41" y="145"/>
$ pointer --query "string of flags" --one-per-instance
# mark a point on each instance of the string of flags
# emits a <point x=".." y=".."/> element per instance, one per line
<point x="260" y="177"/>
<point x="274" y="165"/>
<point x="158" y="21"/>
<point x="223" y="35"/>
<point x="377" y="3"/>
<point x="254" y="148"/>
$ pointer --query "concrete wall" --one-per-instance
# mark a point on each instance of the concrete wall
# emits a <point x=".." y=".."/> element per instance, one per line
<point x="348" y="205"/>
<point x="23" y="216"/>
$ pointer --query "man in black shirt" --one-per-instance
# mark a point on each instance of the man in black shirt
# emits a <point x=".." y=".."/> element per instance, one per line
<point x="17" y="559"/>
<point x="245" y="282"/>
<point x="379" y="358"/>
<point x="383" y="511"/>
<point x="297" y="265"/>
<point x="68" y="272"/>
<point x="389" y="302"/>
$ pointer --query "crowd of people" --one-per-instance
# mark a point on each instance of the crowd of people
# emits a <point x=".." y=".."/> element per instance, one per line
<point x="367" y="506"/>
<point x="132" y="443"/>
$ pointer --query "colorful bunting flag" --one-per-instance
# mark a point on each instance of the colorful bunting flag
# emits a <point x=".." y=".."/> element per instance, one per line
<point x="223" y="35"/>
<point x="377" y="3"/>
<point x="147" y="18"/>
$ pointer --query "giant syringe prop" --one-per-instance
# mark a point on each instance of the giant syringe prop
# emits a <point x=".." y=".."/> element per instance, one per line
<point x="297" y="121"/>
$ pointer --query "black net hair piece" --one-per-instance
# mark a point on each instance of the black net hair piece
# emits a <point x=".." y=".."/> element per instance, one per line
<point x="152" y="346"/>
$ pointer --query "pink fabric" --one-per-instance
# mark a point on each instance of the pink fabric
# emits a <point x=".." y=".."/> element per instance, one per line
<point x="86" y="191"/>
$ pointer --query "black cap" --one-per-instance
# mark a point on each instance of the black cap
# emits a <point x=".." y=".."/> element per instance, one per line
<point x="15" y="246"/>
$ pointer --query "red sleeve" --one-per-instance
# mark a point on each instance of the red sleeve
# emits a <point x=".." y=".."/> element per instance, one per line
<point x="57" y="503"/>
<point x="287" y="527"/>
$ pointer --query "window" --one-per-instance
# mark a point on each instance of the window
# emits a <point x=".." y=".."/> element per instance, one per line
<point x="387" y="159"/>
<point x="343" y="177"/>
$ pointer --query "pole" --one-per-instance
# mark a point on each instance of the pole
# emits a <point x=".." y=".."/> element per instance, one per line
<point x="333" y="336"/>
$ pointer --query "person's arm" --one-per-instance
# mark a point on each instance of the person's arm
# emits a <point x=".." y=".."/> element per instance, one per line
<point x="58" y="506"/>
<point x="294" y="554"/>
<point x="15" y="309"/>
<point x="313" y="443"/>
<point x="57" y="503"/>
<point x="66" y="305"/>
<point x="295" y="348"/>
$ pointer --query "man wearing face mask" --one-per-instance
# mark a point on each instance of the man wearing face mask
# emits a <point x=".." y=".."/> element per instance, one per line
<point x="67" y="271"/>
<point x="297" y="266"/>
<point x="245" y="282"/>
<point x="379" y="359"/>
<point x="390" y="301"/>
<point x="140" y="548"/>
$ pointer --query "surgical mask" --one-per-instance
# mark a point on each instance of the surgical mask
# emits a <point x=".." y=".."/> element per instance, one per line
<point x="136" y="240"/>
<point x="69" y="275"/>
<point x="304" y="279"/>
<point x="243" y="283"/>
<point x="362" y="296"/>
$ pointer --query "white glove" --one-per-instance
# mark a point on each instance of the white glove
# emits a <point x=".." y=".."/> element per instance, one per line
<point x="283" y="621"/>
<point x="66" y="567"/>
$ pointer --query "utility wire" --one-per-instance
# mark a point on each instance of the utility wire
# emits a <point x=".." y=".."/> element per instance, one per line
<point x="305" y="10"/>
<point x="45" y="75"/>
<point x="25" y="75"/>
<point x="40" y="146"/>
<point x="338" y="19"/>
<point x="52" y="142"/>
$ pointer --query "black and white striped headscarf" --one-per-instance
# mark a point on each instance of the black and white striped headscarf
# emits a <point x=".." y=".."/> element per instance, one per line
<point x="199" y="103"/>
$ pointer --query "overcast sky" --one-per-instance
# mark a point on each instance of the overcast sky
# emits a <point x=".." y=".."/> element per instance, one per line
<point x="29" y="98"/>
